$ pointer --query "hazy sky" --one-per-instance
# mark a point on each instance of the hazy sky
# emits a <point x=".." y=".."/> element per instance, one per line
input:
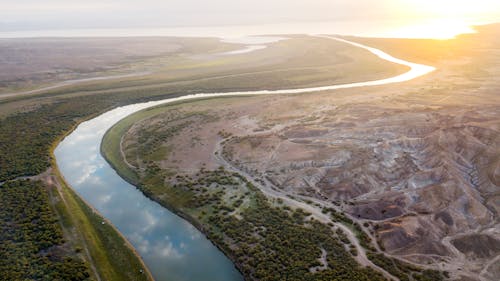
<point x="66" y="14"/>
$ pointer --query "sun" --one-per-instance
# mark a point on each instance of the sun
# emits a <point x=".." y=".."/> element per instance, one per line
<point x="442" y="19"/>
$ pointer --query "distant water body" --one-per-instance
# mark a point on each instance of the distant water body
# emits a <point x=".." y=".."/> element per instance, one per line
<point x="437" y="29"/>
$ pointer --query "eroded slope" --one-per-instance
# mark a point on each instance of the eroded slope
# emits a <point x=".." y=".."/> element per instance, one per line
<point x="416" y="166"/>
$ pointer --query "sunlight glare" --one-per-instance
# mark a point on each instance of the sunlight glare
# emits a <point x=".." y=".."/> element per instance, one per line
<point x="453" y="9"/>
<point x="444" y="19"/>
<point x="436" y="29"/>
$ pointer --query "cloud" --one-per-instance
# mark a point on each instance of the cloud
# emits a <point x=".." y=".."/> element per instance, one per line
<point x="167" y="250"/>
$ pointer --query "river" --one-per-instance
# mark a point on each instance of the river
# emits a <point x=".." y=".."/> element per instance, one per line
<point x="171" y="247"/>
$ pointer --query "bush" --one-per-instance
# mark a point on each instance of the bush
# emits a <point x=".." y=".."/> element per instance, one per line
<point x="31" y="240"/>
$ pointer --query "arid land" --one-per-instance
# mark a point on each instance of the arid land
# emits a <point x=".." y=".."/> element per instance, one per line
<point x="50" y="85"/>
<point x="415" y="165"/>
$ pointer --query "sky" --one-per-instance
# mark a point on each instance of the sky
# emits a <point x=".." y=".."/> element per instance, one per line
<point x="71" y="14"/>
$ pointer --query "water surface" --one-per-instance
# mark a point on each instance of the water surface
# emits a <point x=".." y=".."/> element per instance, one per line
<point x="387" y="28"/>
<point x="171" y="248"/>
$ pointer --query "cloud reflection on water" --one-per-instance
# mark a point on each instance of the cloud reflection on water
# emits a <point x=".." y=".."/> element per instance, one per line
<point x="144" y="222"/>
<point x="168" y="244"/>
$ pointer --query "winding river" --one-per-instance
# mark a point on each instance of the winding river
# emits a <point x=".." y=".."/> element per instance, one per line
<point x="171" y="247"/>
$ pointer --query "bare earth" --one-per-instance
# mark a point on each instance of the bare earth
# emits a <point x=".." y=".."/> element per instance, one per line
<point x="417" y="163"/>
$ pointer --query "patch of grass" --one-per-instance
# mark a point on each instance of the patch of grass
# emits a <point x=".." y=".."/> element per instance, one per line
<point x="114" y="258"/>
<point x="110" y="149"/>
<point x="150" y="147"/>
<point x="404" y="271"/>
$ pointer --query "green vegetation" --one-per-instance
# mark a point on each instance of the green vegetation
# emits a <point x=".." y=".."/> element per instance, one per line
<point x="26" y="138"/>
<point x="364" y="240"/>
<point x="32" y="244"/>
<point x="110" y="252"/>
<point x="25" y="150"/>
<point x="46" y="240"/>
<point x="273" y="244"/>
<point x="151" y="148"/>
<point x="270" y="243"/>
<point x="402" y="270"/>
<point x="26" y="141"/>
<point x="265" y="242"/>
<point x="405" y="271"/>
<point x="36" y="122"/>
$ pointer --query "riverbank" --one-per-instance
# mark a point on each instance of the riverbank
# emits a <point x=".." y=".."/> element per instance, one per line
<point x="111" y="152"/>
<point x="43" y="118"/>
<point x="110" y="254"/>
<point x="443" y="106"/>
<point x="111" y="149"/>
<point x="193" y="192"/>
<point x="53" y="113"/>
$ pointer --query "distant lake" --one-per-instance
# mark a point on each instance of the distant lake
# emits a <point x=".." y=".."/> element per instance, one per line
<point x="440" y="29"/>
